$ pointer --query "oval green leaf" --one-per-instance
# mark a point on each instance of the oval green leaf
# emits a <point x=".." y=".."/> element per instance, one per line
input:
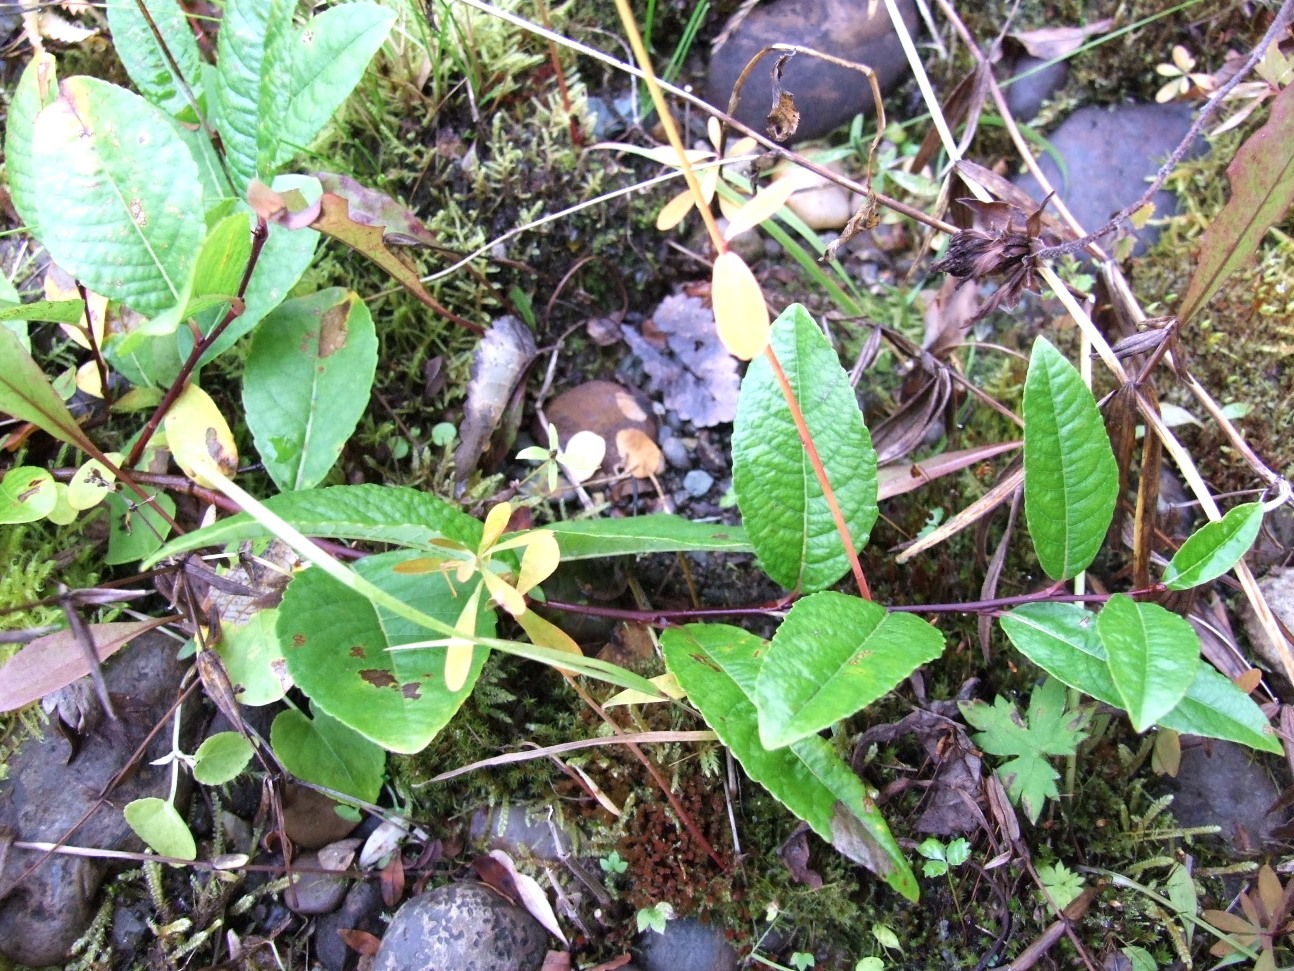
<point x="832" y="656"/>
<point x="26" y="495"/>
<point x="1061" y="639"/>
<point x="786" y="516"/>
<point x="158" y="824"/>
<point x="253" y="659"/>
<point x="1153" y="657"/>
<point x="220" y="758"/>
<point x="717" y="666"/>
<point x="125" y="218"/>
<point x="1215" y="708"/>
<point x="147" y="64"/>
<point x="1215" y="547"/>
<point x="307" y="383"/>
<point x="337" y="646"/>
<point x="1071" y="480"/>
<point x="326" y="752"/>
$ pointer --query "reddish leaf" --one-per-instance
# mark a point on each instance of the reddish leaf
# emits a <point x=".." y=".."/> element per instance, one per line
<point x="1262" y="188"/>
<point x="362" y="942"/>
<point x="557" y="961"/>
<point x="392" y="881"/>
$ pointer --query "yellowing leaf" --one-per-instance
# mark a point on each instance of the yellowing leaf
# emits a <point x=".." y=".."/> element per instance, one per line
<point x="642" y="457"/>
<point x="740" y="314"/>
<point x="504" y="595"/>
<point x="91" y="483"/>
<point x="544" y="634"/>
<point x="458" y="652"/>
<point x="196" y="433"/>
<point x="421" y="564"/>
<point x="667" y="683"/>
<point x="496" y="521"/>
<point x="673" y="212"/>
<point x="539" y="561"/>
<point x="765" y="202"/>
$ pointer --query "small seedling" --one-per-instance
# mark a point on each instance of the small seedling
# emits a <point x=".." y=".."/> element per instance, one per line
<point x="655" y="917"/>
<point x="613" y="863"/>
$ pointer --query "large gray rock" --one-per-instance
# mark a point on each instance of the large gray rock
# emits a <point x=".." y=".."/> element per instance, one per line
<point x="47" y="793"/>
<point x="827" y="96"/>
<point x="1110" y="156"/>
<point x="685" y="945"/>
<point x="463" y="926"/>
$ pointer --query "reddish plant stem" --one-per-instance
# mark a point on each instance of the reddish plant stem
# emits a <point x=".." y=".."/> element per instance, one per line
<point x="259" y="234"/>
<point x="802" y="427"/>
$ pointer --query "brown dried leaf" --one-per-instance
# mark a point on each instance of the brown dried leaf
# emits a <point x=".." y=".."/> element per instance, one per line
<point x="361" y="942"/>
<point x="399" y="225"/>
<point x="498" y="871"/>
<point x="795" y="854"/>
<point x="1047" y="43"/>
<point x="498" y="370"/>
<point x="783" y="117"/>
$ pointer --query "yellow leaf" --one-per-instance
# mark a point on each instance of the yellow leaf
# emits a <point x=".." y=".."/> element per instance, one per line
<point x="740" y="314"/>
<point x="544" y="634"/>
<point x="196" y="432"/>
<point x="91" y="483"/>
<point x="504" y="595"/>
<point x="642" y="458"/>
<point x="539" y="561"/>
<point x="667" y="683"/>
<point x="63" y="513"/>
<point x="458" y="652"/>
<point x="496" y="521"/>
<point x="423" y="564"/>
<point x="88" y="378"/>
<point x="672" y="213"/>
<point x="762" y="206"/>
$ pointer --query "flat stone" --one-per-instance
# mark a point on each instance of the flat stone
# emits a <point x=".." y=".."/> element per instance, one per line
<point x="1026" y="96"/>
<point x="464" y="926"/>
<point x="47" y="792"/>
<point x="686" y="945"/>
<point x="1222" y="784"/>
<point x="826" y="95"/>
<point x="1110" y="156"/>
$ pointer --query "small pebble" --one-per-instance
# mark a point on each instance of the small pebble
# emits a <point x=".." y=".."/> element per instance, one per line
<point x="697" y="483"/>
<point x="676" y="453"/>
<point x="361" y="910"/>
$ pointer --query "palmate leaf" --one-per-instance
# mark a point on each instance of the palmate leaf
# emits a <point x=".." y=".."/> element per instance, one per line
<point x="1071" y="480"/>
<point x="786" y="517"/>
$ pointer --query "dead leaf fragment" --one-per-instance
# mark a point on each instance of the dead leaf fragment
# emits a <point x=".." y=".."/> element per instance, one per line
<point x="498" y="371"/>
<point x="1047" y="43"/>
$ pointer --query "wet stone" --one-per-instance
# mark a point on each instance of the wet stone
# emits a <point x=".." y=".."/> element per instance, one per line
<point x="361" y="910"/>
<point x="686" y="945"/>
<point x="1036" y="84"/>
<point x="463" y="926"/>
<point x="826" y="95"/>
<point x="1110" y="155"/>
<point x="676" y="453"/>
<point x="1221" y="784"/>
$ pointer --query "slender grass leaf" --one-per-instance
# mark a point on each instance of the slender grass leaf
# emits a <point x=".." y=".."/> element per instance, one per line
<point x="307" y="383"/>
<point x="338" y="649"/>
<point x="1153" y="656"/>
<point x="1215" y="547"/>
<point x="832" y="656"/>
<point x="718" y="665"/>
<point x="369" y="513"/>
<point x="1262" y="188"/>
<point x="584" y="539"/>
<point x="144" y="59"/>
<point x="786" y="516"/>
<point x="326" y="752"/>
<point x="53" y="311"/>
<point x="26" y="394"/>
<point x="125" y="217"/>
<point x="1071" y="480"/>
<point x="327" y="59"/>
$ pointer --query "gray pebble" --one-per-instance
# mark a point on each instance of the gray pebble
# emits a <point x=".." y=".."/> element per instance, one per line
<point x="314" y="893"/>
<point x="698" y="482"/>
<point x="361" y="911"/>
<point x="686" y="945"/>
<point x="676" y="453"/>
<point x="463" y="926"/>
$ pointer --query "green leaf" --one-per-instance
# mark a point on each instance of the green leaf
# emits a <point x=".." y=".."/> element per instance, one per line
<point x="1061" y="639"/>
<point x="1215" y="708"/>
<point x="1262" y="188"/>
<point x="124" y="219"/>
<point x="253" y="658"/>
<point x="143" y="57"/>
<point x="1063" y="885"/>
<point x="26" y="394"/>
<point x="1048" y="730"/>
<point x="27" y="183"/>
<point x="220" y="758"/>
<point x="584" y="539"/>
<point x="718" y="665"/>
<point x="158" y="824"/>
<point x="328" y="57"/>
<point x="307" y="383"/>
<point x="245" y="76"/>
<point x="338" y="644"/>
<point x="832" y="656"/>
<point x="26" y="495"/>
<point x="371" y="513"/>
<point x="54" y="311"/>
<point x="326" y="752"/>
<point x="1071" y="480"/>
<point x="1153" y="655"/>
<point x="786" y="516"/>
<point x="134" y="531"/>
<point x="1215" y="548"/>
